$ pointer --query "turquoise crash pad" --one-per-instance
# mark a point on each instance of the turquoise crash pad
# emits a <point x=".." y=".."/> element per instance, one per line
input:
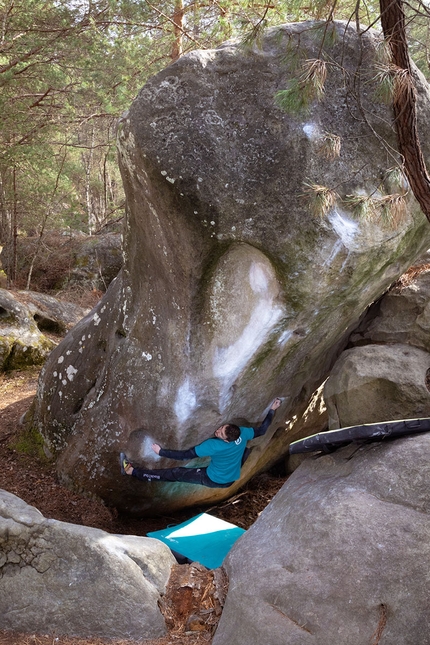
<point x="204" y="538"/>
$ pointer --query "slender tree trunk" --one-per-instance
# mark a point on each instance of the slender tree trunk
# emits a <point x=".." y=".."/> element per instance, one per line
<point x="38" y="247"/>
<point x="105" y="192"/>
<point x="5" y="212"/>
<point x="178" y="19"/>
<point x="88" y="163"/>
<point x="14" y="255"/>
<point x="44" y="223"/>
<point x="10" y="230"/>
<point x="6" y="203"/>
<point x="404" y="103"/>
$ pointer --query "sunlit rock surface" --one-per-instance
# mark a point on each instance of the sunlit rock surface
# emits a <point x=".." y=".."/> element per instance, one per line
<point x="341" y="554"/>
<point x="233" y="290"/>
<point x="385" y="374"/>
<point x="378" y="383"/>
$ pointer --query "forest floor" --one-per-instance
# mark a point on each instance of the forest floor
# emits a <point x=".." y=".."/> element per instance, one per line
<point x="28" y="475"/>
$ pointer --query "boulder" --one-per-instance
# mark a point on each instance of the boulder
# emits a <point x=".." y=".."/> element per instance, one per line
<point x="233" y="289"/>
<point x="24" y="318"/>
<point x="378" y="383"/>
<point x="97" y="261"/>
<point x="51" y="314"/>
<point x="68" y="579"/>
<point x="401" y="316"/>
<point x="385" y="374"/>
<point x="341" y="555"/>
<point x="21" y="342"/>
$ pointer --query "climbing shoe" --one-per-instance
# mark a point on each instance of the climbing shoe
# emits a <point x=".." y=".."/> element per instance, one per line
<point x="124" y="462"/>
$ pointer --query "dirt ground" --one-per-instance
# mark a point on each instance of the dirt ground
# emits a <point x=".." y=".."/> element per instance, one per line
<point x="194" y="599"/>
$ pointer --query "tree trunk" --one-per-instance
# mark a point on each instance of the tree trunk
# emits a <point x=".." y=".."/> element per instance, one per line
<point x="178" y="19"/>
<point x="5" y="220"/>
<point x="14" y="255"/>
<point x="404" y="103"/>
<point x="38" y="247"/>
<point x="87" y="160"/>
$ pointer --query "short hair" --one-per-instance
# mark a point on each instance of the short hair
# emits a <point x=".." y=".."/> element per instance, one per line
<point x="232" y="432"/>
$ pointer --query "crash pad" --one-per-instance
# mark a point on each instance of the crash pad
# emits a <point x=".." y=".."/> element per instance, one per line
<point x="204" y="538"/>
<point x="332" y="439"/>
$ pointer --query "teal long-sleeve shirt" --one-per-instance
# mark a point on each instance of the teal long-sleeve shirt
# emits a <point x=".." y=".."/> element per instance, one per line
<point x="226" y="456"/>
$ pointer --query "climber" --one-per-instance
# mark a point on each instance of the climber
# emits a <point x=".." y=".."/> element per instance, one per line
<point x="226" y="449"/>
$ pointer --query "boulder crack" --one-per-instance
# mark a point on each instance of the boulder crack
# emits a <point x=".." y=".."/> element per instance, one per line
<point x="377" y="634"/>
<point x="284" y="615"/>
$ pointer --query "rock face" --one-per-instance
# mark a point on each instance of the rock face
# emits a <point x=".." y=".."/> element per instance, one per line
<point x="386" y="374"/>
<point x="49" y="313"/>
<point x="97" y="261"/>
<point x="401" y="316"/>
<point x="67" y="579"/>
<point x="341" y="555"/>
<point x="378" y="383"/>
<point x="233" y="291"/>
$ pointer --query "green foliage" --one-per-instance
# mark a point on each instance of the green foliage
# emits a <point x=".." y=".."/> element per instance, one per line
<point x="294" y="55"/>
<point x="385" y="204"/>
<point x="69" y="68"/>
<point x="304" y="89"/>
<point x="361" y="205"/>
<point x="295" y="99"/>
<point x="392" y="208"/>
<point x="384" y="84"/>
<point x="395" y="179"/>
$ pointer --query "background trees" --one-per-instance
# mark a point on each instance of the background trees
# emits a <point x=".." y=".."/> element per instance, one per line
<point x="68" y="68"/>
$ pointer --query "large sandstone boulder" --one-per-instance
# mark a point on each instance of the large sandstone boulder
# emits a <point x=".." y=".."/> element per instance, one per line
<point x="233" y="289"/>
<point x="378" y="383"/>
<point x="385" y="375"/>
<point x="341" y="555"/>
<point x="67" y="579"/>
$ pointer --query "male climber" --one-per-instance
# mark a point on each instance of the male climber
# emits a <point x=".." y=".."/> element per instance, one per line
<point x="226" y="450"/>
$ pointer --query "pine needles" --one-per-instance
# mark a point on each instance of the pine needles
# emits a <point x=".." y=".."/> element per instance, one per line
<point x="393" y="82"/>
<point x="305" y="88"/>
<point x="321" y="198"/>
<point x="389" y="208"/>
<point x="330" y="145"/>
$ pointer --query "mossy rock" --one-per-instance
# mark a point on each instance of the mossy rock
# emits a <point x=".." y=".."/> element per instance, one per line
<point x="16" y="354"/>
